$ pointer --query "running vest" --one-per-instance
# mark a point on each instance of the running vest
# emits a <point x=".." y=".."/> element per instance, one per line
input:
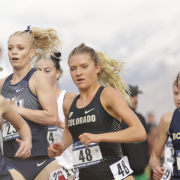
<point x="96" y="120"/>
<point x="174" y="132"/>
<point x="26" y="99"/>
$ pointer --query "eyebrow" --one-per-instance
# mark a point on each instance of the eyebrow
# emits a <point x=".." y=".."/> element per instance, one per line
<point x="80" y="64"/>
<point x="16" y="44"/>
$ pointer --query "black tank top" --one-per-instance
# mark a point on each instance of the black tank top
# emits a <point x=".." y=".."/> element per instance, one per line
<point x="26" y="99"/>
<point x="96" y="120"/>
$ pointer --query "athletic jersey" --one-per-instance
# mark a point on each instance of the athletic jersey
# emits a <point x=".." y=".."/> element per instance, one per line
<point x="66" y="158"/>
<point x="96" y="120"/>
<point x="25" y="98"/>
<point x="174" y="132"/>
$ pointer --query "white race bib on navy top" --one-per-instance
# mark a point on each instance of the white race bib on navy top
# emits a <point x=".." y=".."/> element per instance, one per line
<point x="169" y="151"/>
<point x="55" y="175"/>
<point x="168" y="174"/>
<point x="52" y="135"/>
<point x="121" y="169"/>
<point x="9" y="132"/>
<point x="83" y="157"/>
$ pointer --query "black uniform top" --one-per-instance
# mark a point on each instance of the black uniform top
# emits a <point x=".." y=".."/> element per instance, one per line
<point x="96" y="120"/>
<point x="26" y="99"/>
<point x="136" y="152"/>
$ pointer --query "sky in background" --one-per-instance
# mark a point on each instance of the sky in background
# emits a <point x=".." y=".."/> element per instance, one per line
<point x="144" y="34"/>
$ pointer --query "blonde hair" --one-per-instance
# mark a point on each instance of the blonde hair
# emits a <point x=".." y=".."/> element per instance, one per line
<point x="110" y="69"/>
<point x="44" y="41"/>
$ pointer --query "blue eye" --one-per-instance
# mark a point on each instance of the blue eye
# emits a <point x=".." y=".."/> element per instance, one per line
<point x="85" y="66"/>
<point x="21" y="48"/>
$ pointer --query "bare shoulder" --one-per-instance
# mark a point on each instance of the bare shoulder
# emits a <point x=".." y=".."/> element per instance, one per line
<point x="67" y="104"/>
<point x="112" y="96"/>
<point x="167" y="117"/>
<point x="166" y="120"/>
<point x="69" y="94"/>
<point x="111" y="92"/>
<point x="2" y="82"/>
<point x="2" y="100"/>
<point x="39" y="76"/>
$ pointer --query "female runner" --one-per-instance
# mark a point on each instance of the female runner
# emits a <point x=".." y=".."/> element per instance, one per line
<point x="35" y="102"/>
<point x="94" y="117"/>
<point x="24" y="151"/>
<point x="53" y="70"/>
<point x="168" y="126"/>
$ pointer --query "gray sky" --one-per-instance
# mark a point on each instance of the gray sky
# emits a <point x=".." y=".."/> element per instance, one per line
<point x="144" y="34"/>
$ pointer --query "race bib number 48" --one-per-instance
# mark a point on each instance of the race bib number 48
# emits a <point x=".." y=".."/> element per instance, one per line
<point x="83" y="157"/>
<point x="121" y="169"/>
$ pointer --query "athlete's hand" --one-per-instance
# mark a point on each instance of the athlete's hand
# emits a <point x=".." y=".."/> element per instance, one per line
<point x="158" y="173"/>
<point x="55" y="149"/>
<point x="87" y="138"/>
<point x="24" y="150"/>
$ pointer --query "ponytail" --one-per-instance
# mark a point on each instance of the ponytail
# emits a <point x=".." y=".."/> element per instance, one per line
<point x="44" y="41"/>
<point x="109" y="74"/>
<point x="110" y="69"/>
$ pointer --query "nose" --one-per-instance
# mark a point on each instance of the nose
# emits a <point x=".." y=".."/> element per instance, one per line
<point x="78" y="71"/>
<point x="14" y="51"/>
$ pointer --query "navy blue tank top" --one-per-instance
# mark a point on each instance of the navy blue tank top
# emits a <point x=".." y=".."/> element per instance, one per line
<point x="96" y="120"/>
<point x="24" y="98"/>
<point x="174" y="132"/>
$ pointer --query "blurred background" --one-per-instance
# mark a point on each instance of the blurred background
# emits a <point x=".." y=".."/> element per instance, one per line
<point x="144" y="34"/>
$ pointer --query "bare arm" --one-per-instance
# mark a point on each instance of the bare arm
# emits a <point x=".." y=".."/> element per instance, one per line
<point x="7" y="112"/>
<point x="159" y="144"/>
<point x="115" y="104"/>
<point x="41" y="87"/>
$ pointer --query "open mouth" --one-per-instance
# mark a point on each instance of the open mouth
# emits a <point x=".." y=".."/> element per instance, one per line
<point x="79" y="80"/>
<point x="14" y="58"/>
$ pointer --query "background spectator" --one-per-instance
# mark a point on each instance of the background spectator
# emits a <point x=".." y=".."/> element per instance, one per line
<point x="137" y="152"/>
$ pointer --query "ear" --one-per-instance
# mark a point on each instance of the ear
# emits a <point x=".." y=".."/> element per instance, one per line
<point x="98" y="68"/>
<point x="32" y="52"/>
<point x="58" y="74"/>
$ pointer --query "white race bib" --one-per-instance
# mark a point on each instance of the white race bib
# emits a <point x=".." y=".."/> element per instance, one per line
<point x="55" y="175"/>
<point x="121" y="169"/>
<point x="178" y="160"/>
<point x="168" y="174"/>
<point x="67" y="173"/>
<point x="9" y="132"/>
<point x="52" y="135"/>
<point x="83" y="157"/>
<point x="169" y="151"/>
